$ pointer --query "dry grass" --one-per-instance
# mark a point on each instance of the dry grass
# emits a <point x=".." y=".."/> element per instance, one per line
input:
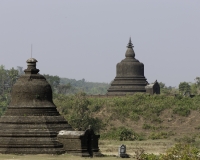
<point x="149" y="146"/>
<point x="48" y="157"/>
<point x="108" y="148"/>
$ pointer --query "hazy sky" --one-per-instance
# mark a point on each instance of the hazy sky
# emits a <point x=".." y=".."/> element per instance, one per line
<point x="87" y="38"/>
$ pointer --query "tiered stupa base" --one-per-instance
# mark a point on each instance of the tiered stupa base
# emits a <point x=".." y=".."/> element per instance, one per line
<point x="127" y="85"/>
<point x="31" y="134"/>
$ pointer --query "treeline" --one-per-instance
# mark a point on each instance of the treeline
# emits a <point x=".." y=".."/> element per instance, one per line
<point x="71" y="86"/>
<point x="184" y="88"/>
<point x="7" y="79"/>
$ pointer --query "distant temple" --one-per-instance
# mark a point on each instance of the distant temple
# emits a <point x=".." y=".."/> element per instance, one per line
<point x="130" y="75"/>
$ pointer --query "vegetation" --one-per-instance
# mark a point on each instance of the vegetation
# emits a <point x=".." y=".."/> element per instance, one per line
<point x="7" y="79"/>
<point x="122" y="134"/>
<point x="101" y="113"/>
<point x="71" y="86"/>
<point x="90" y="88"/>
<point x="184" y="87"/>
<point x="75" y="109"/>
<point x="82" y="111"/>
<point x="178" y="152"/>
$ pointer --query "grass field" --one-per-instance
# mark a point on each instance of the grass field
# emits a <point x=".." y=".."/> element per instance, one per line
<point x="108" y="148"/>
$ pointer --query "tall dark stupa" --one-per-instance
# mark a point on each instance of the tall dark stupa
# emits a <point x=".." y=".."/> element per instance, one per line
<point x="130" y="75"/>
<point x="31" y="123"/>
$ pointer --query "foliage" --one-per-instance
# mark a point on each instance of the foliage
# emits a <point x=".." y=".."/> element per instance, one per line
<point x="54" y="81"/>
<point x="63" y="89"/>
<point x="148" y="107"/>
<point x="122" y="134"/>
<point x="178" y="152"/>
<point x="164" y="90"/>
<point x="162" y="85"/>
<point x="182" y="110"/>
<point x="132" y="107"/>
<point x="77" y="112"/>
<point x="72" y="86"/>
<point x="184" y="87"/>
<point x="83" y="86"/>
<point x="7" y="80"/>
<point x="195" y="87"/>
<point x="181" y="152"/>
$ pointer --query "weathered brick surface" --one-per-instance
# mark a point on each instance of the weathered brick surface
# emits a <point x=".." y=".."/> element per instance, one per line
<point x="82" y="143"/>
<point x="31" y="122"/>
<point x="129" y="75"/>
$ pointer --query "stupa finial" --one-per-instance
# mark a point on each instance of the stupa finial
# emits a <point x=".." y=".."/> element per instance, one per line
<point x="31" y="66"/>
<point x="130" y="45"/>
<point x="130" y="52"/>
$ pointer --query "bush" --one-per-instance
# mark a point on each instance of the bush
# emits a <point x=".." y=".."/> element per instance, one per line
<point x="77" y="112"/>
<point x="122" y="134"/>
<point x="182" y="111"/>
<point x="178" y="152"/>
<point x="181" y="152"/>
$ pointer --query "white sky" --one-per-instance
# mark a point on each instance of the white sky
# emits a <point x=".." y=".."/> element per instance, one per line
<point x="87" y="38"/>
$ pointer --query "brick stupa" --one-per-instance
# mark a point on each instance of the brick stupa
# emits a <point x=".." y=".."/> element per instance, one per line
<point x="31" y="122"/>
<point x="130" y="75"/>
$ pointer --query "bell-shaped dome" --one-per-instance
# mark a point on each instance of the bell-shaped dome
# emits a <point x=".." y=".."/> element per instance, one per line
<point x="129" y="75"/>
<point x="31" y="121"/>
<point x="31" y="89"/>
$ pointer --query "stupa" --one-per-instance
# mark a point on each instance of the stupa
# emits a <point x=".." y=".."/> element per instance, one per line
<point x="129" y="75"/>
<point x="31" y="122"/>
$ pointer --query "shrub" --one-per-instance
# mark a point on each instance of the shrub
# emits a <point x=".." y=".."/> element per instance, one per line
<point x="77" y="112"/>
<point x="181" y="152"/>
<point x="134" y="116"/>
<point x="178" y="152"/>
<point x="182" y="111"/>
<point x="122" y="134"/>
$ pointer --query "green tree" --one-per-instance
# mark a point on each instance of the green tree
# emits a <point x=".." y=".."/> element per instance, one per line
<point x="197" y="81"/>
<point x="3" y="79"/>
<point x="162" y="85"/>
<point x="184" y="87"/>
<point x="54" y="81"/>
<point x="12" y="76"/>
<point x="194" y="88"/>
<point x="80" y="117"/>
<point x="63" y="89"/>
<point x="7" y="79"/>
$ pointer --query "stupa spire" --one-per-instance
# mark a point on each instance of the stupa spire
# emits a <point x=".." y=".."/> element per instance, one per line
<point x="130" y="52"/>
<point x="130" y="45"/>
